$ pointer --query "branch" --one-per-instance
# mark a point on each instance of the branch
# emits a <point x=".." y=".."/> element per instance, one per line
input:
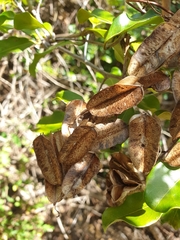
<point x="84" y="61"/>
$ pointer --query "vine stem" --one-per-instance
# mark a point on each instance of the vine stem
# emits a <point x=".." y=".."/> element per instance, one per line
<point x="84" y="61"/>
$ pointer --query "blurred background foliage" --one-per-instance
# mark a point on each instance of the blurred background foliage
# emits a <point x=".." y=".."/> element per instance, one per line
<point x="25" y="212"/>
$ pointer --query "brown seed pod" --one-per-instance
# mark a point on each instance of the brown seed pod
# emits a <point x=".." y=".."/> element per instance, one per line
<point x="110" y="134"/>
<point x="53" y="192"/>
<point x="154" y="79"/>
<point x="173" y="156"/>
<point x="76" y="146"/>
<point x="80" y="174"/>
<point x="47" y="160"/>
<point x="144" y="136"/>
<point x="176" y="85"/>
<point x="114" y="100"/>
<point x="156" y="49"/>
<point x="174" y="126"/>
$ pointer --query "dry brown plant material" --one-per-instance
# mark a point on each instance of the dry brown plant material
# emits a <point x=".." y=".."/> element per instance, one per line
<point x="80" y="174"/>
<point x="144" y="136"/>
<point x="174" y="126"/>
<point x="173" y="156"/>
<point x="110" y="134"/>
<point x="47" y="160"/>
<point x="53" y="192"/>
<point x="157" y="48"/>
<point x="114" y="100"/>
<point x="176" y="85"/>
<point x="76" y="146"/>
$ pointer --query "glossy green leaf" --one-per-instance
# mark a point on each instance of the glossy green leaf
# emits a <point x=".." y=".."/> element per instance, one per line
<point x="123" y="24"/>
<point x="51" y="123"/>
<point x="133" y="211"/>
<point x="172" y="217"/>
<point x="97" y="31"/>
<point x="26" y="21"/>
<point x="163" y="188"/>
<point x="7" y="15"/>
<point x="13" y="44"/>
<point x="119" y="52"/>
<point x="67" y="96"/>
<point x="99" y="14"/>
<point x="38" y="56"/>
<point x="150" y="102"/>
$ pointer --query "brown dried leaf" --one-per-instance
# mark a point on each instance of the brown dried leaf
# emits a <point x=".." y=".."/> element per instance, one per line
<point x="47" y="160"/>
<point x="173" y="156"/>
<point x="153" y="79"/>
<point x="174" y="126"/>
<point x="156" y="49"/>
<point x="110" y="134"/>
<point x="144" y="136"/>
<point x="53" y="192"/>
<point x="80" y="174"/>
<point x="71" y="118"/>
<point x="176" y="85"/>
<point x="76" y="146"/>
<point x="114" y="100"/>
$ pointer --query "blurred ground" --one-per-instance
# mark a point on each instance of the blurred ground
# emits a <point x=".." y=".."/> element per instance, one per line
<point x="23" y="101"/>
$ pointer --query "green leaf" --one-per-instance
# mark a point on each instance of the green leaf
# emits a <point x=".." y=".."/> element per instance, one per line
<point x="38" y="56"/>
<point x="13" y="44"/>
<point x="97" y="31"/>
<point x="99" y="14"/>
<point x="149" y="102"/>
<point x="133" y="211"/>
<point x="163" y="115"/>
<point x="26" y="21"/>
<point x="126" y="115"/>
<point x="7" y="15"/>
<point x="51" y="123"/>
<point x="123" y="24"/>
<point x="67" y="96"/>
<point x="172" y="217"/>
<point x="163" y="188"/>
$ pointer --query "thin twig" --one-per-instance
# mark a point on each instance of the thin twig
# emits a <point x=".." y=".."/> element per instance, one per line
<point x="82" y="60"/>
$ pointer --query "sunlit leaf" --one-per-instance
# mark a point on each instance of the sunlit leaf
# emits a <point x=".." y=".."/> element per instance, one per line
<point x="26" y="21"/>
<point x="172" y="217"/>
<point x="123" y="24"/>
<point x="50" y="123"/>
<point x="66" y="96"/>
<point x="13" y="44"/>
<point x="7" y="15"/>
<point x="133" y="211"/>
<point x="149" y="102"/>
<point x="96" y="31"/>
<point x="163" y="188"/>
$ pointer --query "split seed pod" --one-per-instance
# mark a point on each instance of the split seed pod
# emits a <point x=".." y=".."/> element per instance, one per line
<point x="173" y="156"/>
<point x="144" y="136"/>
<point x="176" y="85"/>
<point x="114" y="100"/>
<point x="53" y="192"/>
<point x="157" y="48"/>
<point x="110" y="134"/>
<point x="174" y="126"/>
<point x="79" y="175"/>
<point x="77" y="146"/>
<point x="47" y="160"/>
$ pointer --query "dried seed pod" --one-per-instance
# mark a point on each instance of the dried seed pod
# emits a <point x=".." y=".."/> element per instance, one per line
<point x="156" y="49"/>
<point x="47" y="160"/>
<point x="174" y="126"/>
<point x="76" y="146"/>
<point x="121" y="180"/>
<point x="144" y="136"/>
<point x="110" y="134"/>
<point x="57" y="141"/>
<point x="71" y="118"/>
<point x="129" y="80"/>
<point x="176" y="85"/>
<point x="153" y="79"/>
<point x="114" y="100"/>
<point x="53" y="192"/>
<point x="80" y="174"/>
<point x="173" y="156"/>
